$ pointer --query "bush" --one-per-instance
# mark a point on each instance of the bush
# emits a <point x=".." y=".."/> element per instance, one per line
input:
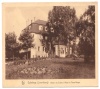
<point x="18" y="62"/>
<point x="69" y="56"/>
<point x="81" y="56"/>
<point x="56" y="56"/>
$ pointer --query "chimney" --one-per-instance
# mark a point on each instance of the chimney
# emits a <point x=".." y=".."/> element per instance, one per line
<point x="34" y="19"/>
<point x="31" y="21"/>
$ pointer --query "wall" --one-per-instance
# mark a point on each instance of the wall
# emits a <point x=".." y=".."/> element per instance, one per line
<point x="38" y="48"/>
<point x="63" y="50"/>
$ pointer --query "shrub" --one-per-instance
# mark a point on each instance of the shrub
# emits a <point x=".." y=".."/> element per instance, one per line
<point x="56" y="56"/>
<point x="18" y="62"/>
<point x="70" y="56"/>
<point x="81" y="56"/>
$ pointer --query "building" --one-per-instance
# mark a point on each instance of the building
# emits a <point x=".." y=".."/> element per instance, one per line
<point x="37" y="28"/>
<point x="62" y="50"/>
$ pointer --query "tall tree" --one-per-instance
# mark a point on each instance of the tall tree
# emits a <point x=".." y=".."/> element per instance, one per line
<point x="86" y="32"/>
<point x="11" y="45"/>
<point x="61" y="24"/>
<point x="26" y="38"/>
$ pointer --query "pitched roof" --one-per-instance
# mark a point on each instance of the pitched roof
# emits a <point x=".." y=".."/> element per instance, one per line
<point x="41" y="22"/>
<point x="34" y="27"/>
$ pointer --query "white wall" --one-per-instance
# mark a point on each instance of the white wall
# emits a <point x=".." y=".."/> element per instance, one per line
<point x="62" y="48"/>
<point x="70" y="50"/>
<point x="34" y="51"/>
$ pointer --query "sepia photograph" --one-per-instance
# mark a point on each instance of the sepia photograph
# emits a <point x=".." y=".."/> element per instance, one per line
<point x="48" y="41"/>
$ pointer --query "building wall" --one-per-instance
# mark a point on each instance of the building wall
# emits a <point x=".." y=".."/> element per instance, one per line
<point x="38" y="50"/>
<point x="70" y="50"/>
<point x="63" y="50"/>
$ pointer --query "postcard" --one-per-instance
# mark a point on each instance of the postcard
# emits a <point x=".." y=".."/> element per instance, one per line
<point x="50" y="44"/>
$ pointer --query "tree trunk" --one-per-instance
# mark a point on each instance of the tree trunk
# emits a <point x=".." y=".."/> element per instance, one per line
<point x="58" y="49"/>
<point x="50" y="53"/>
<point x="85" y="58"/>
<point x="13" y="56"/>
<point x="68" y="49"/>
<point x="27" y="55"/>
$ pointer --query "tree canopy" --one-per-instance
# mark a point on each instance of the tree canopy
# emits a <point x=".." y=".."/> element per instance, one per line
<point x="61" y="25"/>
<point x="62" y="19"/>
<point x="11" y="45"/>
<point x="86" y="32"/>
<point x="26" y="38"/>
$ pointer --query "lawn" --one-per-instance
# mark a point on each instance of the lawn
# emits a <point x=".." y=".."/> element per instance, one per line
<point x="55" y="68"/>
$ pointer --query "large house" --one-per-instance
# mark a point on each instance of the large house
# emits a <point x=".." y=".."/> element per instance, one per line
<point x="37" y="28"/>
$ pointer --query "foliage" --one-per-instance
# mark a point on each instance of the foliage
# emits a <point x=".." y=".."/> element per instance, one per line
<point x="11" y="45"/>
<point x="86" y="32"/>
<point x="26" y="38"/>
<point x="60" y="25"/>
<point x="70" y="69"/>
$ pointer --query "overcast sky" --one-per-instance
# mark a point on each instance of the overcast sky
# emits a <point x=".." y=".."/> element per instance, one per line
<point x="18" y="17"/>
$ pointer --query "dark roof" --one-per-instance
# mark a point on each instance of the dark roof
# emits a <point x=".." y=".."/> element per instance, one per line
<point x="34" y="27"/>
<point x="41" y="22"/>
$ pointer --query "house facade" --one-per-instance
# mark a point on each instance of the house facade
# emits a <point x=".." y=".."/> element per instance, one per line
<point x="62" y="50"/>
<point x="36" y="28"/>
<point x="38" y="50"/>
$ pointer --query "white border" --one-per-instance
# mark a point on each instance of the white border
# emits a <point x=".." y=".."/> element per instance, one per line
<point x="1" y="1"/>
<point x="48" y="0"/>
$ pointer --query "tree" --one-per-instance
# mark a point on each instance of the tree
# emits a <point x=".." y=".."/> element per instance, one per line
<point x="60" y="25"/>
<point x="11" y="45"/>
<point x="86" y="32"/>
<point x="48" y="40"/>
<point x="26" y="39"/>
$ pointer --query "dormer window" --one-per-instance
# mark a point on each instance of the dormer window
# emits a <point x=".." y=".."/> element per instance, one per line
<point x="30" y="27"/>
<point x="41" y="37"/>
<point x="46" y="37"/>
<point x="45" y="28"/>
<point x="52" y="30"/>
<point x="40" y="27"/>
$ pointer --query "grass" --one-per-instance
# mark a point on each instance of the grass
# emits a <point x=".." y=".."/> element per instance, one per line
<point x="62" y="68"/>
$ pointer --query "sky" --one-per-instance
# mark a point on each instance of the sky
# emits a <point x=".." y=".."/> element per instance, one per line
<point x="17" y="18"/>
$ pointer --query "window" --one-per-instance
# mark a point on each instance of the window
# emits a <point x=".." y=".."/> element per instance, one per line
<point x="29" y="27"/>
<point x="40" y="27"/>
<point x="62" y="51"/>
<point x="66" y="49"/>
<point x="43" y="48"/>
<point x="41" y="37"/>
<point x="45" y="28"/>
<point x="52" y="30"/>
<point x="38" y="48"/>
<point x="46" y="37"/>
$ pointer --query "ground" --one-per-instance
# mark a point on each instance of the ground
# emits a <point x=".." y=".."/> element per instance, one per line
<point x="56" y="68"/>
